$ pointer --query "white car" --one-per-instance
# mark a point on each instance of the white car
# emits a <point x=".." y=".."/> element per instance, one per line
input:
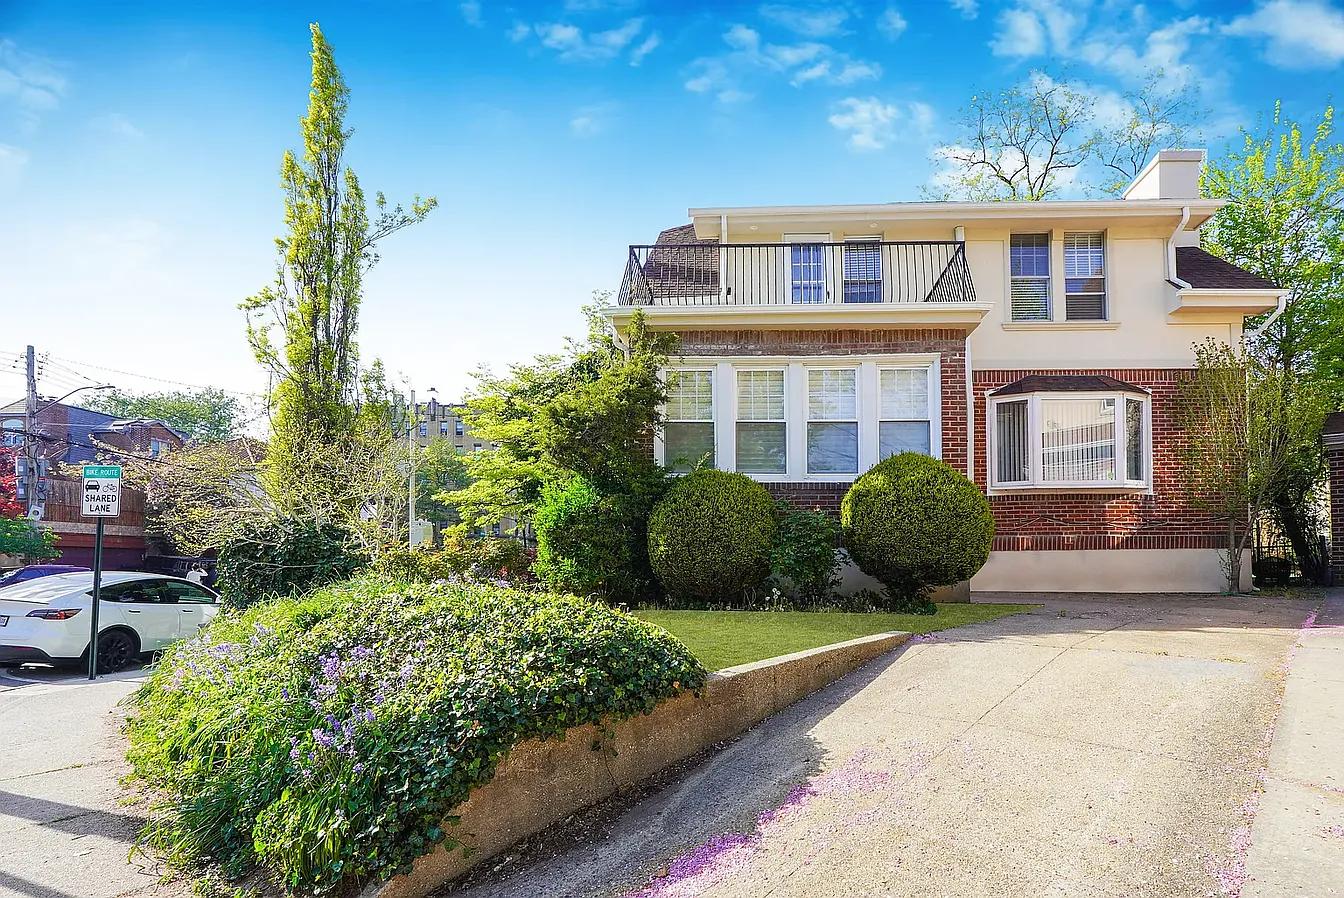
<point x="47" y="620"/>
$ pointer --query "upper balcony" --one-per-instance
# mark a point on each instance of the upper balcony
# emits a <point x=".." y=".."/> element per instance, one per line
<point x="869" y="281"/>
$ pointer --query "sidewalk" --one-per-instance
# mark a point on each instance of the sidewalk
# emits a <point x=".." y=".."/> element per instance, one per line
<point x="66" y="834"/>
<point x="1297" y="841"/>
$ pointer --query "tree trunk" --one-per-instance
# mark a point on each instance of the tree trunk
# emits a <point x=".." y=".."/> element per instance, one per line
<point x="1302" y="535"/>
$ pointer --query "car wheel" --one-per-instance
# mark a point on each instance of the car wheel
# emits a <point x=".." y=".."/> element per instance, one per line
<point x="115" y="651"/>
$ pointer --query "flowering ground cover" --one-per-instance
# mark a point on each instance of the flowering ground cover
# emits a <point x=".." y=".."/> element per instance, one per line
<point x="727" y="638"/>
<point x="326" y="738"/>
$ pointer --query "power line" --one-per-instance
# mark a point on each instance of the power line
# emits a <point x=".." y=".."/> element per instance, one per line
<point x="176" y="383"/>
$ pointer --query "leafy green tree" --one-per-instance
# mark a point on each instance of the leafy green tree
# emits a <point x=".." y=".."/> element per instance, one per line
<point x="1285" y="222"/>
<point x="587" y="416"/>
<point x="439" y="469"/>
<point x="22" y="538"/>
<point x="1243" y="428"/>
<point x="207" y="414"/>
<point x="314" y="302"/>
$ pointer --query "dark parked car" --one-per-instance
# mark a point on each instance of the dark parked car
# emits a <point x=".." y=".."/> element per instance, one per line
<point x="33" y="571"/>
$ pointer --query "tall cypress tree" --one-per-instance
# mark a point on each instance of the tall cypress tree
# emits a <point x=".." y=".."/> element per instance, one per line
<point x="302" y="327"/>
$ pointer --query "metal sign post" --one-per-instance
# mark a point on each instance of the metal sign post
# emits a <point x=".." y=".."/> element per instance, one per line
<point x="101" y="499"/>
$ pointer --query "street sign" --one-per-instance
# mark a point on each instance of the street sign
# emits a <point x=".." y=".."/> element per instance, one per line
<point x="102" y="491"/>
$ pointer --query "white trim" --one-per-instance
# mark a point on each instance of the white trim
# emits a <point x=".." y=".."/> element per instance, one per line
<point x="1043" y="210"/>
<point x="810" y="315"/>
<point x="1078" y="325"/>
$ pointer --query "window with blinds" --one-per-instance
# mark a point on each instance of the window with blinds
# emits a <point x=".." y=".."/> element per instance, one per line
<point x="1012" y="442"/>
<point x="832" y="421"/>
<point x="1029" y="266"/>
<point x="1134" y="440"/>
<point x="903" y="411"/>
<point x="1070" y="440"/>
<point x="1078" y="440"/>
<point x="761" y="428"/>
<point x="862" y="270"/>
<point x="1085" y="276"/>
<point x="688" y="428"/>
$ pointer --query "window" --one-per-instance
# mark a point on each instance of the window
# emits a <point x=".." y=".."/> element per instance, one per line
<point x="832" y="421"/>
<point x="807" y="272"/>
<point x="477" y="447"/>
<point x="688" y="432"/>
<point x="11" y="432"/>
<point x="1029" y="267"/>
<point x="863" y="269"/>
<point x="424" y="429"/>
<point x="443" y="428"/>
<point x="458" y="428"/>
<point x="188" y="592"/>
<point x="1085" y="276"/>
<point x="761" y="431"/>
<point x="156" y="447"/>
<point x="1065" y="439"/>
<point x="903" y="413"/>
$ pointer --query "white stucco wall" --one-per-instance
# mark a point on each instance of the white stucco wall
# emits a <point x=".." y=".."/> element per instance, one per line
<point x="1103" y="570"/>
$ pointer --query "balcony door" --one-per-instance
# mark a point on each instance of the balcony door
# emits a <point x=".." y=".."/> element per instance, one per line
<point x="807" y="267"/>
<point x="862" y="269"/>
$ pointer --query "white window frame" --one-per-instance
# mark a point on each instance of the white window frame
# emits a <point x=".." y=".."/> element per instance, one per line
<point x="1105" y="277"/>
<point x="935" y="436"/>
<point x="715" y="419"/>
<point x="737" y="417"/>
<point x="1049" y="278"/>
<point x="808" y="420"/>
<point x="1037" y="482"/>
<point x="795" y="399"/>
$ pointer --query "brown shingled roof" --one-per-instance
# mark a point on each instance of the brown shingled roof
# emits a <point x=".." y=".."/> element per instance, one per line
<point x="687" y="263"/>
<point x="1205" y="271"/>
<point x="1065" y="383"/>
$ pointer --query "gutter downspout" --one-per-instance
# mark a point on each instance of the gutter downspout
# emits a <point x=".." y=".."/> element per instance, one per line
<point x="1171" y="251"/>
<point x="1273" y="316"/>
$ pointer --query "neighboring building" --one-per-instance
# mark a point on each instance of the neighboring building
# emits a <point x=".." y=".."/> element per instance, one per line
<point x="446" y="422"/>
<point x="71" y="435"/>
<point x="1038" y="347"/>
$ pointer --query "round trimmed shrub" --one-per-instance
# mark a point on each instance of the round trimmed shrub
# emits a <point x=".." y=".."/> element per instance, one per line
<point x="711" y="535"/>
<point x="915" y="523"/>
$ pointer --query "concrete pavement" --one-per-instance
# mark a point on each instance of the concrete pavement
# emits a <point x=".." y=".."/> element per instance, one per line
<point x="1093" y="748"/>
<point x="64" y="830"/>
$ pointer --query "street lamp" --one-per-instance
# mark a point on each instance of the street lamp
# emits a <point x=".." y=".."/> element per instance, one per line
<point x="71" y="393"/>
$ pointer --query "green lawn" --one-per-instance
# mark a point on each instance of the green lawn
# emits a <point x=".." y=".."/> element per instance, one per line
<point x="727" y="638"/>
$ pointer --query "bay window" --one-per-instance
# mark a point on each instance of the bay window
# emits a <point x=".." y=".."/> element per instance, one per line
<point x="688" y="431"/>
<point x="1070" y="438"/>
<point x="832" y="421"/>
<point x="761" y="427"/>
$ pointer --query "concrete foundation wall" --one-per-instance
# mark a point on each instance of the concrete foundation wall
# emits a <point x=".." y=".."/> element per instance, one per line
<point x="1107" y="570"/>
<point x="541" y="782"/>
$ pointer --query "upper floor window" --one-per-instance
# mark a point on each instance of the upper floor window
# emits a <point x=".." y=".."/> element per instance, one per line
<point x="832" y="421"/>
<point x="443" y="428"/>
<point x="459" y="428"/>
<point x="807" y="268"/>
<point x="761" y="429"/>
<point x="11" y="432"/>
<point x="156" y="447"/>
<point x="1029" y="269"/>
<point x="1070" y="439"/>
<point x="863" y="269"/>
<point x="688" y="429"/>
<point x="424" y="429"/>
<point x="903" y="411"/>
<point x="1085" y="276"/>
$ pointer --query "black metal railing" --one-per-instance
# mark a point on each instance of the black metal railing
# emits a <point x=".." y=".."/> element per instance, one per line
<point x="738" y="274"/>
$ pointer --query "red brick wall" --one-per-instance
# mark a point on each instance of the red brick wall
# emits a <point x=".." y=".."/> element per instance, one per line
<point x="1166" y="519"/>
<point x="1335" y="459"/>
<point x="950" y="344"/>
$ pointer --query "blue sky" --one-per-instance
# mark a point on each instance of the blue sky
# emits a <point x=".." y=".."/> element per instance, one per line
<point x="139" y="145"/>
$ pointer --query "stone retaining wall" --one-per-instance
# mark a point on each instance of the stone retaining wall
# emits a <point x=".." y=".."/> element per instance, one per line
<point x="541" y="782"/>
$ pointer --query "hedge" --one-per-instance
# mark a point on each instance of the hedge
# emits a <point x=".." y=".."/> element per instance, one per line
<point x="711" y="536"/>
<point x="326" y="738"/>
<point x="915" y="523"/>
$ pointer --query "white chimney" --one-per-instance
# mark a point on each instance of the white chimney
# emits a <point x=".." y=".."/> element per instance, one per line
<point x="1171" y="175"/>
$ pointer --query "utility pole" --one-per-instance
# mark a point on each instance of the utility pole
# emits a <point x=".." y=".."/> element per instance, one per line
<point x="410" y="490"/>
<point x="30" y="473"/>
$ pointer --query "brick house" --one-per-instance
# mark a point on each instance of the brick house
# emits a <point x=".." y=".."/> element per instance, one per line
<point x="1038" y="347"/>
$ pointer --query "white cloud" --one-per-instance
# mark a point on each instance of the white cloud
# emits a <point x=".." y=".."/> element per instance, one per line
<point x="13" y="161"/>
<point x="115" y="124"/>
<point x="809" y="21"/>
<point x="969" y="9"/>
<point x="872" y="124"/>
<point x="748" y="59"/>
<point x="644" y="49"/>
<point x="589" y="121"/>
<point x="1020" y="34"/>
<point x="572" y="43"/>
<point x="32" y="84"/>
<point x="471" y="13"/>
<point x="891" y="23"/>
<point x="1298" y="34"/>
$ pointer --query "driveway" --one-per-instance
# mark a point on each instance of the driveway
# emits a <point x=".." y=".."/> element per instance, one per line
<point x="1094" y="747"/>
<point x="64" y="830"/>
